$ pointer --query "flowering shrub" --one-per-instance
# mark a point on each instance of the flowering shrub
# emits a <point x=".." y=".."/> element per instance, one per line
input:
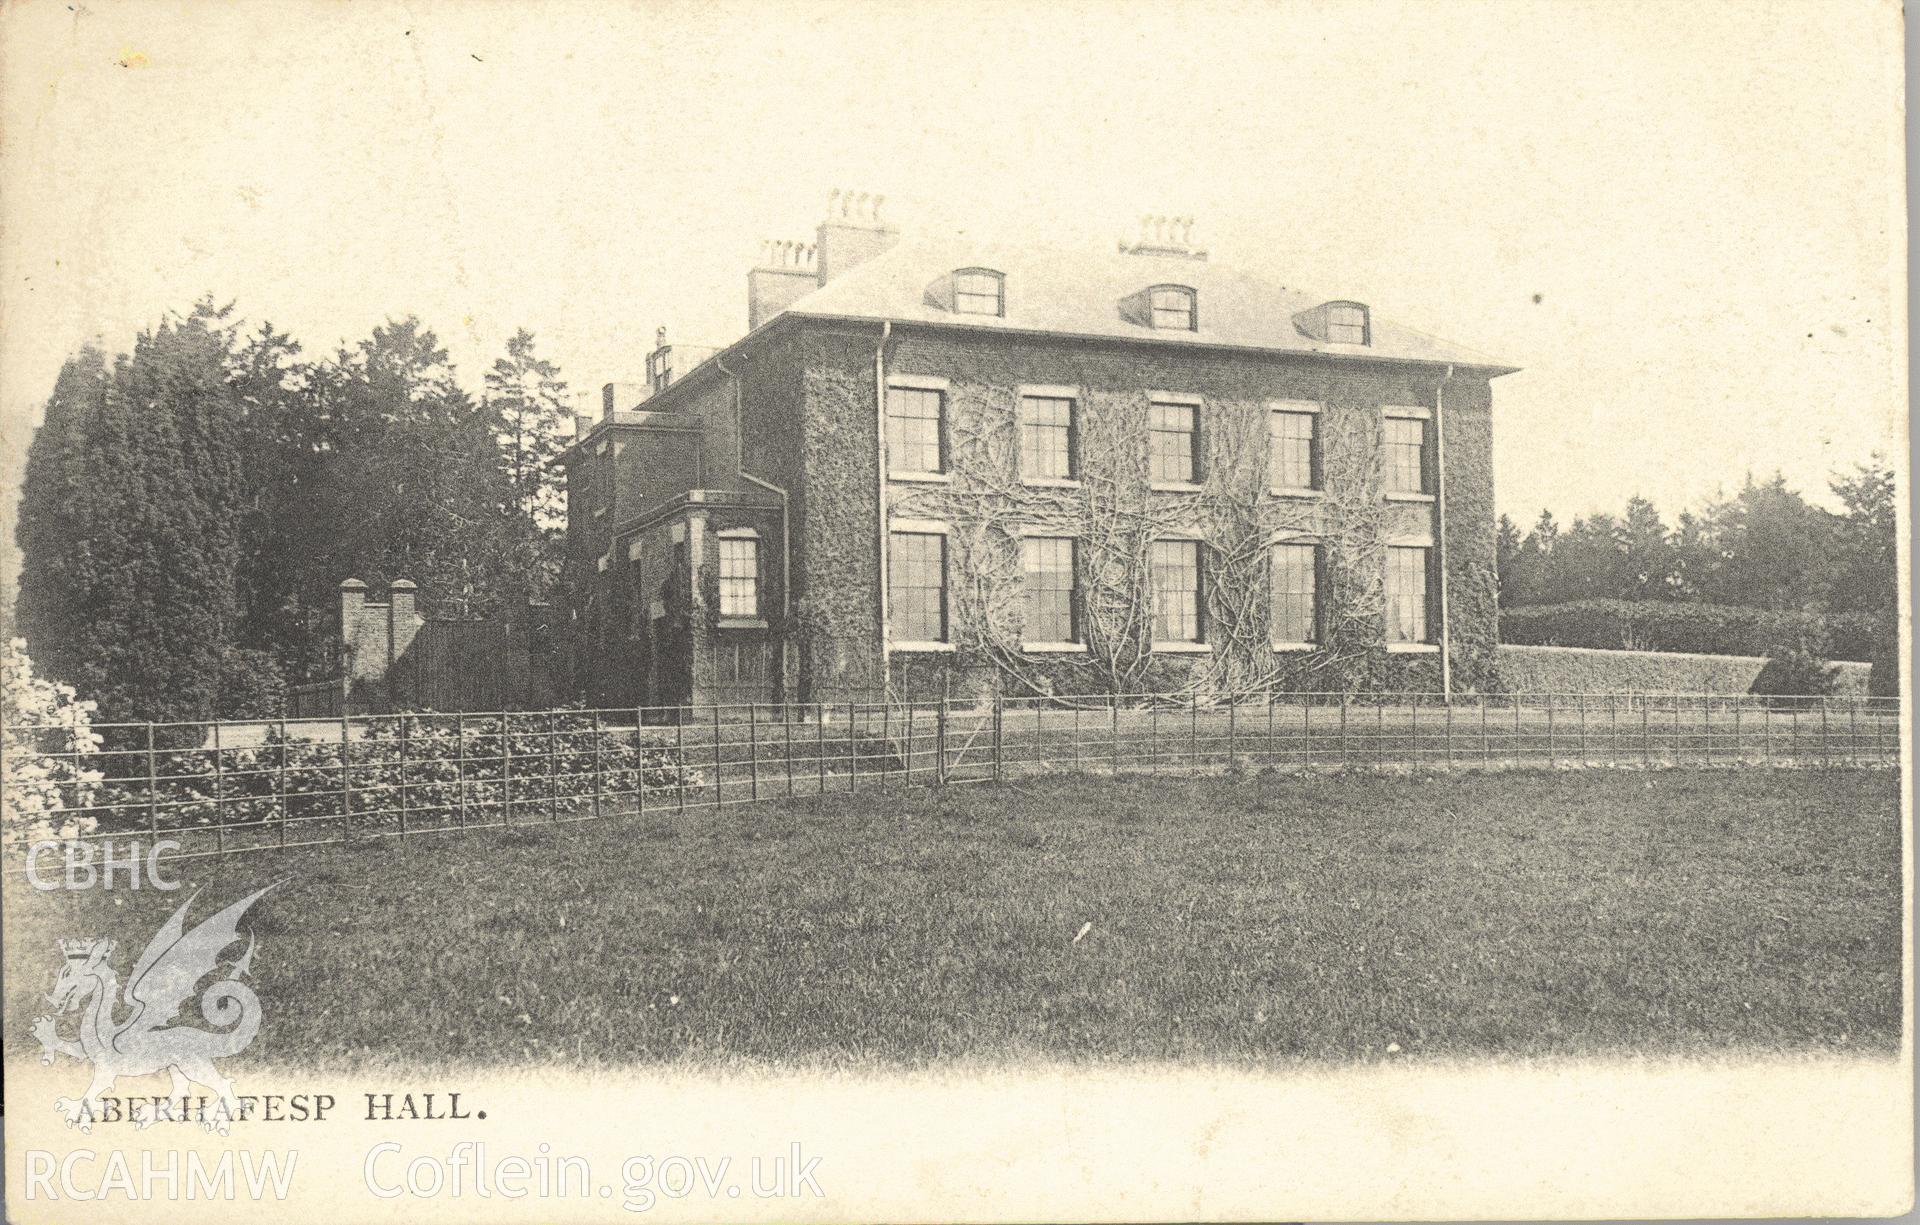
<point x="436" y="770"/>
<point x="49" y="741"/>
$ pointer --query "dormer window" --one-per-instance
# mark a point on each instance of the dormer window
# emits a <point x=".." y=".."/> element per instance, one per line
<point x="1347" y="324"/>
<point x="979" y="291"/>
<point x="1171" y="308"/>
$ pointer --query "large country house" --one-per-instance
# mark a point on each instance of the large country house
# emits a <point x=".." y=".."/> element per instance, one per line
<point x="951" y="467"/>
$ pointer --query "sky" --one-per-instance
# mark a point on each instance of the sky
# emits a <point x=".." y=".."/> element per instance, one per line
<point x="1684" y="221"/>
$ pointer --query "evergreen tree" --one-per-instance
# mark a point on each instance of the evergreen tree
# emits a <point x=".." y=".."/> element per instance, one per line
<point x="408" y="482"/>
<point x="1867" y="567"/>
<point x="1767" y="548"/>
<point x="59" y="513"/>
<point x="280" y="455"/>
<point x="1652" y="567"/>
<point x="526" y="401"/>
<point x="132" y="594"/>
<point x="1590" y="560"/>
<point x="1531" y="579"/>
<point x="1506" y="557"/>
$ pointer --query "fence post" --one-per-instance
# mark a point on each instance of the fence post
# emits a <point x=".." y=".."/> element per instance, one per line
<point x="853" y="753"/>
<point x="1551" y="760"/>
<point x="1448" y="733"/>
<point x="1646" y="734"/>
<point x="718" y="767"/>
<point x="460" y="767"/>
<point x="1078" y="767"/>
<point x="1486" y="742"/>
<point x="907" y="759"/>
<point x="1706" y="737"/>
<point x="999" y="704"/>
<point x="597" y="788"/>
<point x="1233" y="718"/>
<point x="219" y="794"/>
<point x="680" y="755"/>
<point x="153" y="786"/>
<point x="753" y="750"/>
<point x="1582" y="700"/>
<point x="1153" y="740"/>
<point x="1306" y="734"/>
<point x="506" y="768"/>
<point x="401" y="772"/>
<point x="786" y="739"/>
<point x="1413" y="751"/>
<point x="1853" y="731"/>
<point x="820" y="742"/>
<point x="1739" y="750"/>
<point x="280" y="789"/>
<point x="1193" y="733"/>
<point x="1613" y="729"/>
<point x="1826" y="746"/>
<point x="640" y="761"/>
<point x="1343" y="730"/>
<point x="940" y="745"/>
<point x="1380" y="735"/>
<point x="1273" y="742"/>
<point x="1113" y="720"/>
<point x="346" y="765"/>
<point x="553" y="768"/>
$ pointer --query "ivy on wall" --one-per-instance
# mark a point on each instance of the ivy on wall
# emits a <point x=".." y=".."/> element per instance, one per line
<point x="1115" y="516"/>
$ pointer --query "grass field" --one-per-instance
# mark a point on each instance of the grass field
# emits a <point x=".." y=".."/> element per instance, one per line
<point x="1245" y="920"/>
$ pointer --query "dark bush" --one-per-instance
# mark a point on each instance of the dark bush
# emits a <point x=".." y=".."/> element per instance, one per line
<point x="1796" y="668"/>
<point x="1884" y="680"/>
<point x="252" y="685"/>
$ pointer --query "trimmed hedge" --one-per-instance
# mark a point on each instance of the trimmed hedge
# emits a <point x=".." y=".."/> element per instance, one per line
<point x="1528" y="669"/>
<point x="1701" y="629"/>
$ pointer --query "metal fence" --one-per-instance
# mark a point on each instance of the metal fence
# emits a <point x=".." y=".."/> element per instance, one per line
<point x="221" y="788"/>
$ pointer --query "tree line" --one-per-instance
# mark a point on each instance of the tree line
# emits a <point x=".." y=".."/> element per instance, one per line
<point x="1764" y="547"/>
<point x="189" y="508"/>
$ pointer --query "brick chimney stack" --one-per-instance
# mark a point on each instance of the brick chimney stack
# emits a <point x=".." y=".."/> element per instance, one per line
<point x="786" y="273"/>
<point x="853" y="232"/>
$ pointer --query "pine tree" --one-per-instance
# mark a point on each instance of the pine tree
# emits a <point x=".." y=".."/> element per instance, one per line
<point x="526" y="401"/>
<point x="1651" y="563"/>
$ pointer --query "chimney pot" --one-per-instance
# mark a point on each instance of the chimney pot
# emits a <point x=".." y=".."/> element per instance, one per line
<point x="1164" y="235"/>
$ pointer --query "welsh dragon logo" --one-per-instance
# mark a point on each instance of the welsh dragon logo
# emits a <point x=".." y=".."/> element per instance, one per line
<point x="146" y="1042"/>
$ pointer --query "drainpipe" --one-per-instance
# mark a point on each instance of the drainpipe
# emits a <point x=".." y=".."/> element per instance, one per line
<point x="880" y="489"/>
<point x="1440" y="529"/>
<point x="786" y="528"/>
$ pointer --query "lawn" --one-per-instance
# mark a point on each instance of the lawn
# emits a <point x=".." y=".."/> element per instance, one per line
<point x="1249" y="919"/>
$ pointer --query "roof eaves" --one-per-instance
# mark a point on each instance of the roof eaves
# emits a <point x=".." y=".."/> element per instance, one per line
<point x="1184" y="340"/>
